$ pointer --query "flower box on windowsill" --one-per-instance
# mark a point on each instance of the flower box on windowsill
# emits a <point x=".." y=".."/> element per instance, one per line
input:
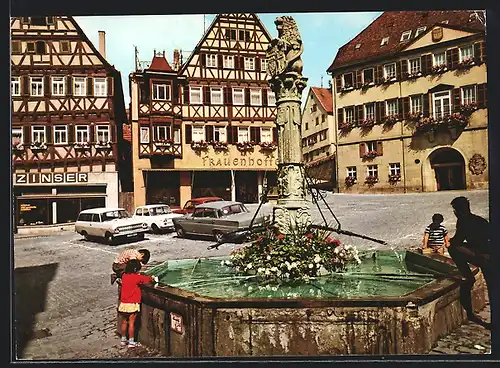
<point x="346" y="126"/>
<point x="414" y="75"/>
<point x="164" y="143"/>
<point x="389" y="80"/>
<point x="467" y="63"/>
<point x="394" y="178"/>
<point x="17" y="147"/>
<point x="414" y="116"/>
<point x="370" y="155"/>
<point x="199" y="145"/>
<point x="350" y="181"/>
<point x="367" y="84"/>
<point x="81" y="146"/>
<point x="390" y="119"/>
<point x="38" y="147"/>
<point x="468" y="109"/>
<point x="370" y="179"/>
<point x="439" y="68"/>
<point x="268" y="146"/>
<point x="346" y="88"/>
<point x="245" y="146"/>
<point x="221" y="146"/>
<point x="101" y="145"/>
<point x="367" y="123"/>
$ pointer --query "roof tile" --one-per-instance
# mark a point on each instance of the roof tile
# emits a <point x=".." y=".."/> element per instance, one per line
<point x="324" y="95"/>
<point x="159" y="63"/>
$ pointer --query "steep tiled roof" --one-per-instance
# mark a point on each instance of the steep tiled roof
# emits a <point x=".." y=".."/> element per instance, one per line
<point x="160" y="64"/>
<point x="324" y="95"/>
<point x="392" y="24"/>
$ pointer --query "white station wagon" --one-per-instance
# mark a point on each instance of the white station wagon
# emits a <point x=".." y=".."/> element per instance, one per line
<point x="110" y="224"/>
<point x="157" y="216"/>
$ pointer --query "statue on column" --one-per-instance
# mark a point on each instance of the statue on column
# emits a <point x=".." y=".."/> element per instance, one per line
<point x="286" y="80"/>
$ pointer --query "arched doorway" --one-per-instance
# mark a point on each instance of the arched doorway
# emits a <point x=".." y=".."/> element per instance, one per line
<point x="449" y="169"/>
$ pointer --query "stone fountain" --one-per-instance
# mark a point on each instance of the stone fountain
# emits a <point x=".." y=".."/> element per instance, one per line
<point x="392" y="304"/>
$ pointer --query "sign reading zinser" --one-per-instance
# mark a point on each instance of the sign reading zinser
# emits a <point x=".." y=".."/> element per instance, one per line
<point x="51" y="178"/>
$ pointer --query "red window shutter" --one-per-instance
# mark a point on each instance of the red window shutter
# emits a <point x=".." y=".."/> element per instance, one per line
<point x="242" y="63"/>
<point x="399" y="75"/>
<point x="362" y="149"/>
<point x="378" y="112"/>
<point x="189" y="134"/>
<point x="69" y="85"/>
<point x="203" y="58"/>
<point x="48" y="134"/>
<point x="425" y="104"/>
<point x="426" y="63"/>
<point x="257" y="135"/>
<point x="247" y="96"/>
<point x="405" y="106"/>
<point x="477" y="53"/>
<point x="380" y="74"/>
<point x="209" y="133"/>
<point x="338" y="83"/>
<point x="46" y="85"/>
<point x="404" y="69"/>
<point x="219" y="61"/>
<point x="236" y="62"/>
<point x="481" y="96"/>
<point x="206" y="100"/>
<point x="229" y="134"/>
<point x="26" y="135"/>
<point x="186" y="94"/>
<point x="275" y="134"/>
<point x="235" y="133"/>
<point x="456" y="99"/>
<point x="380" y="149"/>
<point x="360" y="114"/>
<point x="25" y="89"/>
<point x="253" y="134"/>
<point x="91" y="133"/>
<point x="90" y="86"/>
<point x="449" y="59"/>
<point x="340" y="116"/>
<point x="400" y="106"/>
<point x="112" y="129"/>
<point x="264" y="97"/>
<point x="228" y="96"/>
<point x="111" y="85"/>
<point x="382" y="109"/>
<point x="71" y="133"/>
<point x="359" y="81"/>
<point x="257" y="64"/>
<point x="454" y="58"/>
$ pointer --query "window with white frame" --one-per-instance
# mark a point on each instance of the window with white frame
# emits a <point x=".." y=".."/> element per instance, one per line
<point x="177" y="135"/>
<point x="195" y="95"/>
<point x="405" y="36"/>
<point x="102" y="133"/>
<point x="216" y="95"/>
<point x="372" y="170"/>
<point x="368" y="76"/>
<point x="198" y="133"/>
<point x="349" y="114"/>
<point x="220" y="134"/>
<point x="79" y="86"/>
<point x="395" y="168"/>
<point x="271" y="98"/>
<point x="468" y="95"/>
<point x="81" y="133"/>
<point x="442" y="105"/>
<point x="161" y="132"/>
<point x="243" y="134"/>
<point x="466" y="53"/>
<point x="347" y="80"/>
<point x="161" y="92"/>
<point x="249" y="63"/>
<point x="238" y="96"/>
<point x="371" y="146"/>
<point x="228" y="61"/>
<point x="390" y="71"/>
<point x="420" y="30"/>
<point x="384" y="41"/>
<point x="266" y="134"/>
<point x="15" y="85"/>
<point x="38" y="134"/>
<point x="414" y="66"/>
<point x="391" y="107"/>
<point x="17" y="136"/>
<point x="322" y="135"/>
<point x="370" y="111"/>
<point x="351" y="172"/>
<point x="256" y="97"/>
<point x="439" y="59"/>
<point x="211" y="60"/>
<point x="58" y="86"/>
<point x="101" y="87"/>
<point x="60" y="134"/>
<point x="36" y="86"/>
<point x="263" y="65"/>
<point x="144" y="135"/>
<point x="416" y="104"/>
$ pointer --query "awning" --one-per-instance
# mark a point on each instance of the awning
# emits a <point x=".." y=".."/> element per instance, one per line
<point x="321" y="169"/>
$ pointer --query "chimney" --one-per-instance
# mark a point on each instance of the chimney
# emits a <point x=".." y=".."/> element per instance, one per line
<point x="102" y="43"/>
<point x="176" y="63"/>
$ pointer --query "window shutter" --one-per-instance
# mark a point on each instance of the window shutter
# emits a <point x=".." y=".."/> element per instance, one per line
<point x="404" y="69"/>
<point x="380" y="147"/>
<point x="406" y="106"/>
<point x="110" y="86"/>
<point x="456" y="99"/>
<point x="257" y="64"/>
<point x="253" y="134"/>
<point x="48" y="134"/>
<point x="91" y="133"/>
<point x="338" y="82"/>
<point x="449" y="59"/>
<point x="477" y="53"/>
<point x="358" y="82"/>
<point x="362" y="149"/>
<point x="275" y="134"/>
<point x="481" y="96"/>
<point x="175" y="93"/>
<point x="426" y="63"/>
<point x="425" y="104"/>
<point x="264" y="97"/>
<point x="378" y="112"/>
<point x="203" y="58"/>
<point x="382" y="109"/>
<point x="25" y="90"/>
<point x="454" y="58"/>
<point x="242" y="63"/>
<point x="46" y="85"/>
<point x="235" y="133"/>
<point x="219" y="61"/>
<point x="247" y="96"/>
<point x="236" y="62"/>
<point x="71" y="133"/>
<point x="229" y="134"/>
<point x="355" y="112"/>
<point x="26" y="135"/>
<point x="483" y="51"/>
<point x="228" y="96"/>
<point x="112" y="129"/>
<point x="257" y="135"/>
<point x="90" y="85"/>
<point x="209" y="133"/>
<point x="206" y="100"/>
<point x="400" y="106"/>
<point x="189" y="134"/>
<point x="360" y="115"/>
<point x="340" y="116"/>
<point x="380" y="74"/>
<point x="399" y="75"/>
<point x="69" y="85"/>
<point x="186" y="94"/>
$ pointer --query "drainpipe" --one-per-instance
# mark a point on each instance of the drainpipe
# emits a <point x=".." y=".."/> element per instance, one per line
<point x="403" y="141"/>
<point x="335" y="124"/>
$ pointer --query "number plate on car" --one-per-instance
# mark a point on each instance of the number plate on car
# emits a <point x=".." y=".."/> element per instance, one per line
<point x="131" y="235"/>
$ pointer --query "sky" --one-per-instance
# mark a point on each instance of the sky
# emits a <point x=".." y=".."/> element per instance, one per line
<point x="322" y="34"/>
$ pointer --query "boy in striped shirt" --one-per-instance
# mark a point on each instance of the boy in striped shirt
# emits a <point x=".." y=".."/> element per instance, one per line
<point x="436" y="236"/>
<point x="118" y="267"/>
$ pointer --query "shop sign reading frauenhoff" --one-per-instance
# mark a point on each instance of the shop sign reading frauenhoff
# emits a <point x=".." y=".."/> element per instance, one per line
<point x="51" y="178"/>
<point x="239" y="162"/>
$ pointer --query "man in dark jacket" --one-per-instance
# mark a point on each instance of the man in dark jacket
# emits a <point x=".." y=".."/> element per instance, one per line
<point x="471" y="244"/>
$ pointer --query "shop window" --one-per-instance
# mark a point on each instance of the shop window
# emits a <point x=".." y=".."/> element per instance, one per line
<point x="88" y="203"/>
<point x="34" y="212"/>
<point x="67" y="210"/>
<point x="81" y="189"/>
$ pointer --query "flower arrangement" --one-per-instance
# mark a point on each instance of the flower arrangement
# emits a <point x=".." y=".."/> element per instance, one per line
<point x="468" y="109"/>
<point x="371" y="179"/>
<point x="271" y="146"/>
<point x="466" y="63"/>
<point x="217" y="145"/>
<point x="346" y="87"/>
<point x="367" y="123"/>
<point x="425" y="124"/>
<point x="164" y="142"/>
<point x="413" y="75"/>
<point x="81" y="145"/>
<point x="441" y="68"/>
<point x="367" y="83"/>
<point x="369" y="155"/>
<point x="414" y="116"/>
<point x="245" y="146"/>
<point x="17" y="145"/>
<point x="199" y="145"/>
<point x="300" y="255"/>
<point x="346" y="126"/>
<point x="350" y="181"/>
<point x="455" y="119"/>
<point x="103" y="144"/>
<point x="389" y="79"/>
<point x="394" y="178"/>
<point x="38" y="145"/>
<point x="390" y="119"/>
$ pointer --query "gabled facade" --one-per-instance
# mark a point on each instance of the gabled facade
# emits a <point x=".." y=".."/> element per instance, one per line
<point x="67" y="110"/>
<point x="226" y="124"/>
<point x="410" y="104"/>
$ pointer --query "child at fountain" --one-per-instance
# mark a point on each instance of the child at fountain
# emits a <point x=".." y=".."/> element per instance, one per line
<point x="436" y="237"/>
<point x="142" y="255"/>
<point x="130" y="299"/>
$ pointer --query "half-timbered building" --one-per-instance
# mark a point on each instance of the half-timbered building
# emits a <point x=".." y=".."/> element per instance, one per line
<point x="67" y="110"/>
<point x="224" y="140"/>
<point x="410" y="104"/>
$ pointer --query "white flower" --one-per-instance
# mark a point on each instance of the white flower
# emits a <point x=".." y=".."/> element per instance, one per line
<point x="268" y="272"/>
<point x="287" y="263"/>
<point x="222" y="263"/>
<point x="287" y="275"/>
<point x="274" y="269"/>
<point x="293" y="265"/>
<point x="317" y="258"/>
<point x="260" y="270"/>
<point x="311" y="265"/>
<point x="249" y="266"/>
<point x="268" y="258"/>
<point x="336" y="250"/>
<point x="250" y="288"/>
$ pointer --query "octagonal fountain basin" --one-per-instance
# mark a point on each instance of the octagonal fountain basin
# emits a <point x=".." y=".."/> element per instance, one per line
<point x="393" y="303"/>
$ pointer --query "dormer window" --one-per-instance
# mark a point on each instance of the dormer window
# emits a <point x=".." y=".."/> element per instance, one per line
<point x="358" y="46"/>
<point x="385" y="41"/>
<point x="420" y="30"/>
<point x="445" y="21"/>
<point x="405" y="36"/>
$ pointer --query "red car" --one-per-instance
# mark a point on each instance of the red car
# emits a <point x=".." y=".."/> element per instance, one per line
<point x="193" y="202"/>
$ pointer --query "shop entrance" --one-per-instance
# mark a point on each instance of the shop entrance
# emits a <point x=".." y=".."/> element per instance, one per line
<point x="246" y="186"/>
<point x="449" y="169"/>
<point x="163" y="187"/>
<point x="211" y="184"/>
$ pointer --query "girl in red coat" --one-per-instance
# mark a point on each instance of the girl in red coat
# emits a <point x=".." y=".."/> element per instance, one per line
<point x="130" y="299"/>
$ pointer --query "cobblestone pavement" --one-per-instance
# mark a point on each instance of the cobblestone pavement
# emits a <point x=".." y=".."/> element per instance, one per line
<point x="67" y="307"/>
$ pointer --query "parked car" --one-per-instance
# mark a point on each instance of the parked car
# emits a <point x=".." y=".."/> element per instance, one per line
<point x="193" y="202"/>
<point x="109" y="224"/>
<point x="157" y="216"/>
<point x="217" y="218"/>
